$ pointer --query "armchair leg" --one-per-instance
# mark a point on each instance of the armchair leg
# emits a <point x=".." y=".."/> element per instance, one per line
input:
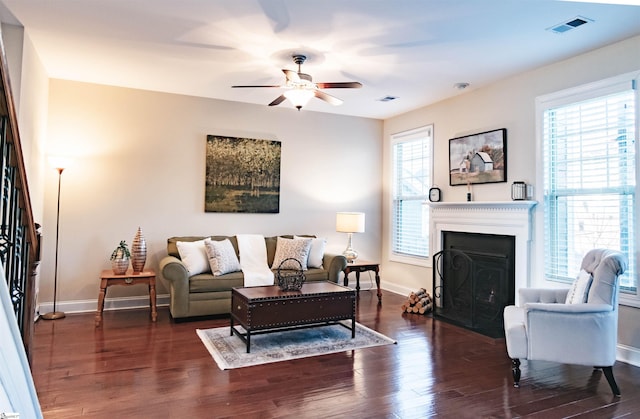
<point x="515" y="370"/>
<point x="608" y="373"/>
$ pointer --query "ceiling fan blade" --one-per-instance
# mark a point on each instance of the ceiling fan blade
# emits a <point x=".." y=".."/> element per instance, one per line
<point x="328" y="98"/>
<point x="291" y="75"/>
<point x="258" y="86"/>
<point x="278" y="100"/>
<point x="340" y="85"/>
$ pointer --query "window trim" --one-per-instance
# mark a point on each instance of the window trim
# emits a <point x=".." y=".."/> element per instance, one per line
<point x="395" y="139"/>
<point x="566" y="96"/>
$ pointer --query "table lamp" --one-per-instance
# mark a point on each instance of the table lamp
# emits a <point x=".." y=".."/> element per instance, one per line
<point x="350" y="222"/>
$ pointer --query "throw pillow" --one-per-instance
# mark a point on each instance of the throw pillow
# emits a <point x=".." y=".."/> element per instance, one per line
<point x="222" y="256"/>
<point x="194" y="256"/>
<point x="291" y="248"/>
<point x="579" y="291"/>
<point x="316" y="253"/>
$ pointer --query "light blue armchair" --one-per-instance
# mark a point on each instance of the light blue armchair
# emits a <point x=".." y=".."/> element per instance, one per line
<point x="546" y="327"/>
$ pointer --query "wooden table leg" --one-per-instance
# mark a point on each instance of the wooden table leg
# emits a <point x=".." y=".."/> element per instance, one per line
<point x="378" y="285"/>
<point x="152" y="298"/>
<point x="101" y="297"/>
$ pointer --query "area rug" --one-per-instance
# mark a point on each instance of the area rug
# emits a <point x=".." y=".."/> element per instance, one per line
<point x="230" y="352"/>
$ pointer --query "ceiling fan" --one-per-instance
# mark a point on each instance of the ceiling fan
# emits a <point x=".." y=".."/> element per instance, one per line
<point x="300" y="87"/>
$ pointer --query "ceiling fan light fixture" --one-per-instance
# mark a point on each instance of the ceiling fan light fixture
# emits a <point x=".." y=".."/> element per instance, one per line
<point x="300" y="87"/>
<point x="299" y="96"/>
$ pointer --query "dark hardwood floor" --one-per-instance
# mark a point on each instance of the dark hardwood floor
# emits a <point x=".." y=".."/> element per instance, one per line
<point x="132" y="368"/>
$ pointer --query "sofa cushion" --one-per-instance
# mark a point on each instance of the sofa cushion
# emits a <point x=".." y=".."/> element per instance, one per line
<point x="316" y="274"/>
<point x="272" y="242"/>
<point x="172" y="243"/>
<point x="172" y="248"/>
<point x="209" y="283"/>
<point x="271" y="249"/>
<point x="222" y="256"/>
<point x="291" y="249"/>
<point x="316" y="253"/>
<point x="194" y="256"/>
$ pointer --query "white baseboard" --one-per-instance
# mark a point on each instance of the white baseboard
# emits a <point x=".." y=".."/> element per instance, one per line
<point x="86" y="306"/>
<point x="628" y="354"/>
<point x="397" y="289"/>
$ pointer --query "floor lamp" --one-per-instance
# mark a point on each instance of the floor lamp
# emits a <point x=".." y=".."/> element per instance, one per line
<point x="54" y="315"/>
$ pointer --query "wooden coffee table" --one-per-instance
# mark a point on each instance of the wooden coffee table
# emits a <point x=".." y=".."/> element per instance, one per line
<point x="268" y="309"/>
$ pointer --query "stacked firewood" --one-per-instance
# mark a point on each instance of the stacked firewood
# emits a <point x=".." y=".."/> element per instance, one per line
<point x="419" y="302"/>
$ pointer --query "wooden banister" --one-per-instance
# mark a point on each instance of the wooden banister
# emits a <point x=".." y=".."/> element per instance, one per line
<point x="19" y="235"/>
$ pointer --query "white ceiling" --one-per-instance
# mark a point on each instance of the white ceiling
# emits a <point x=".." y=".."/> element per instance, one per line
<point x="415" y="50"/>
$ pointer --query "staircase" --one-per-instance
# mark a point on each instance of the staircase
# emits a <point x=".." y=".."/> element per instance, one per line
<point x="19" y="235"/>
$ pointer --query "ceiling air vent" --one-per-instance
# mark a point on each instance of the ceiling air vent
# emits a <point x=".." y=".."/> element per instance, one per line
<point x="571" y="24"/>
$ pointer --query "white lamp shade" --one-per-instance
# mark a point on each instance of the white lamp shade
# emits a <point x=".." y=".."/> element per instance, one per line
<point x="350" y="222"/>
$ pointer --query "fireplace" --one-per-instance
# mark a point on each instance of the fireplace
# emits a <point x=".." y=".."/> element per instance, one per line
<point x="512" y="219"/>
<point x="474" y="279"/>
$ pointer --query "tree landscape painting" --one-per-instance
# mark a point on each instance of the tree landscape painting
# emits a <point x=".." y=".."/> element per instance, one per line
<point x="242" y="175"/>
<point x="478" y="158"/>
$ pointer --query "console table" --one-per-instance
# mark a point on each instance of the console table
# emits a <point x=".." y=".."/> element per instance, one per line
<point x="108" y="278"/>
<point x="358" y="266"/>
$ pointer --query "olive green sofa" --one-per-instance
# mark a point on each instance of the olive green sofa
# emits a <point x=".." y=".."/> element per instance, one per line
<point x="205" y="294"/>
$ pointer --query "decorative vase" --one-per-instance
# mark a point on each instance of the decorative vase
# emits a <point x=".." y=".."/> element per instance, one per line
<point x="120" y="263"/>
<point x="138" y="252"/>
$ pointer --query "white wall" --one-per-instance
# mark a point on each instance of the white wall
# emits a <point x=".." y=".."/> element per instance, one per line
<point x="139" y="161"/>
<point x="507" y="104"/>
<point x="34" y="95"/>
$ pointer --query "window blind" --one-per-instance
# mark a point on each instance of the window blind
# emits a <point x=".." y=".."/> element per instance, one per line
<point x="411" y="183"/>
<point x="589" y="182"/>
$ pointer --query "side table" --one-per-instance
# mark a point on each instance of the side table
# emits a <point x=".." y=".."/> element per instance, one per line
<point x="362" y="266"/>
<point x="107" y="278"/>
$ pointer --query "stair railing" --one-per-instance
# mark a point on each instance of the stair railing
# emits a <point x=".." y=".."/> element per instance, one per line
<point x="19" y="235"/>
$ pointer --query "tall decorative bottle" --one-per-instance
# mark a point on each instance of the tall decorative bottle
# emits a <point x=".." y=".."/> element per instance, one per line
<point x="138" y="252"/>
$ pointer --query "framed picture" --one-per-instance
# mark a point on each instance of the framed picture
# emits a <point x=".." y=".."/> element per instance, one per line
<point x="242" y="175"/>
<point x="478" y="158"/>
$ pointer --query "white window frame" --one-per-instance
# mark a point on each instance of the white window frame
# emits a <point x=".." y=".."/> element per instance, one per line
<point x="405" y="136"/>
<point x="572" y="95"/>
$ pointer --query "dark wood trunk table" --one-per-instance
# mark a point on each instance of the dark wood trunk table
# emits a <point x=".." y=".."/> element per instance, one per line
<point x="268" y="309"/>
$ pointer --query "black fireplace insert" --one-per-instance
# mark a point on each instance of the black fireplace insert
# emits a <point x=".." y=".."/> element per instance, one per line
<point x="473" y="280"/>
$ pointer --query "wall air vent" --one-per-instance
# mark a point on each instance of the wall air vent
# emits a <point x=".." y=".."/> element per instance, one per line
<point x="570" y="24"/>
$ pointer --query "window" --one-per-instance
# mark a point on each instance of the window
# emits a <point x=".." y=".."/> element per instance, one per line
<point x="590" y="159"/>
<point x="411" y="171"/>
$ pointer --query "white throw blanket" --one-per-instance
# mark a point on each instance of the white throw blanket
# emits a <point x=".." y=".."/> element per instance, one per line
<point x="253" y="260"/>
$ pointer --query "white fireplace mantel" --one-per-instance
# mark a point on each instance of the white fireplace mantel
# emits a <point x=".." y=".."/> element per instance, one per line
<point x="508" y="218"/>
